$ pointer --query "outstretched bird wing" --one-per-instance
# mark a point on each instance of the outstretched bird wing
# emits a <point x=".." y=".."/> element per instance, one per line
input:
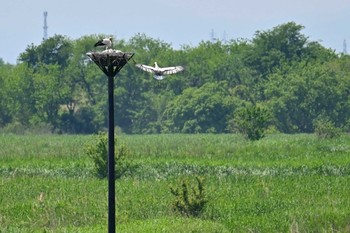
<point x="146" y="68"/>
<point x="171" y="70"/>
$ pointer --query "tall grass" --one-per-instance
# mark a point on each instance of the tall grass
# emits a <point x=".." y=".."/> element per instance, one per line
<point x="282" y="183"/>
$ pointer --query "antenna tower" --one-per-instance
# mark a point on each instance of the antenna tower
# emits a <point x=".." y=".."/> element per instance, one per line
<point x="45" y="25"/>
<point x="212" y="36"/>
<point x="344" y="47"/>
<point x="224" y="37"/>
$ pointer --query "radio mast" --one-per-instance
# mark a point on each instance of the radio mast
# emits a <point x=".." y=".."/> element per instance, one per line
<point x="45" y="25"/>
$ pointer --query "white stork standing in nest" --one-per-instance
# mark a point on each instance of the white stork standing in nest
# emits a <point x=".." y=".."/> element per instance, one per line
<point x="106" y="42"/>
<point x="160" y="72"/>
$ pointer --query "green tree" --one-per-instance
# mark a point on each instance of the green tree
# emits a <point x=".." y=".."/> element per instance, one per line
<point x="271" y="48"/>
<point x="17" y="95"/>
<point x="5" y="106"/>
<point x="199" y="110"/>
<point x="49" y="84"/>
<point x="50" y="94"/>
<point x="134" y="106"/>
<point x="55" y="50"/>
<point x="299" y="96"/>
<point x="86" y="85"/>
<point x="150" y="118"/>
<point x="55" y="83"/>
<point x="202" y="62"/>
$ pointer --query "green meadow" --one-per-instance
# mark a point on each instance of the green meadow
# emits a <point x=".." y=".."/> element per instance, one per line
<point x="282" y="183"/>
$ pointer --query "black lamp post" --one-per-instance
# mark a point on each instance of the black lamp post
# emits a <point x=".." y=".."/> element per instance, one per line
<point x="110" y="62"/>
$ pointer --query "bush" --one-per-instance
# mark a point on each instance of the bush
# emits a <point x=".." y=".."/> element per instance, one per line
<point x="14" y="128"/>
<point x="252" y="122"/>
<point x="20" y="129"/>
<point x="189" y="203"/>
<point x="98" y="152"/>
<point x="325" y="128"/>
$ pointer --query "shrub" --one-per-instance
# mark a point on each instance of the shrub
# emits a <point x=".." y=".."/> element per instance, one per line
<point x="98" y="152"/>
<point x="325" y="128"/>
<point x="14" y="128"/>
<point x="189" y="200"/>
<point x="252" y="122"/>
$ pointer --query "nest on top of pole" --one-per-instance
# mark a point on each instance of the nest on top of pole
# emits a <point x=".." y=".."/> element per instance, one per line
<point x="110" y="61"/>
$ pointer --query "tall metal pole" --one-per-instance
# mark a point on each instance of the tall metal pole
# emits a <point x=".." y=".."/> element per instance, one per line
<point x="111" y="62"/>
<point x="111" y="162"/>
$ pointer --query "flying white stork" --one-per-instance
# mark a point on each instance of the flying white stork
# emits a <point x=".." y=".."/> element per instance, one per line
<point x="160" y="72"/>
<point x="106" y="42"/>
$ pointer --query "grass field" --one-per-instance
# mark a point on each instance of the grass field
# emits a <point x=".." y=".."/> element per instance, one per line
<point x="282" y="183"/>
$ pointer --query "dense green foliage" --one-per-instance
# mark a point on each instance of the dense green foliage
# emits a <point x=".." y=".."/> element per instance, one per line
<point x="281" y="183"/>
<point x="54" y="87"/>
<point x="252" y="122"/>
<point x="98" y="152"/>
<point x="190" y="200"/>
<point x="324" y="128"/>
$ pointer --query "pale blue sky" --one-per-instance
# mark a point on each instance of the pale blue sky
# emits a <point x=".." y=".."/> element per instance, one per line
<point x="178" y="22"/>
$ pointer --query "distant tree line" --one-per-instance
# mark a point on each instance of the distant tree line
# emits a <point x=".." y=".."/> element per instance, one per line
<point x="55" y="87"/>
